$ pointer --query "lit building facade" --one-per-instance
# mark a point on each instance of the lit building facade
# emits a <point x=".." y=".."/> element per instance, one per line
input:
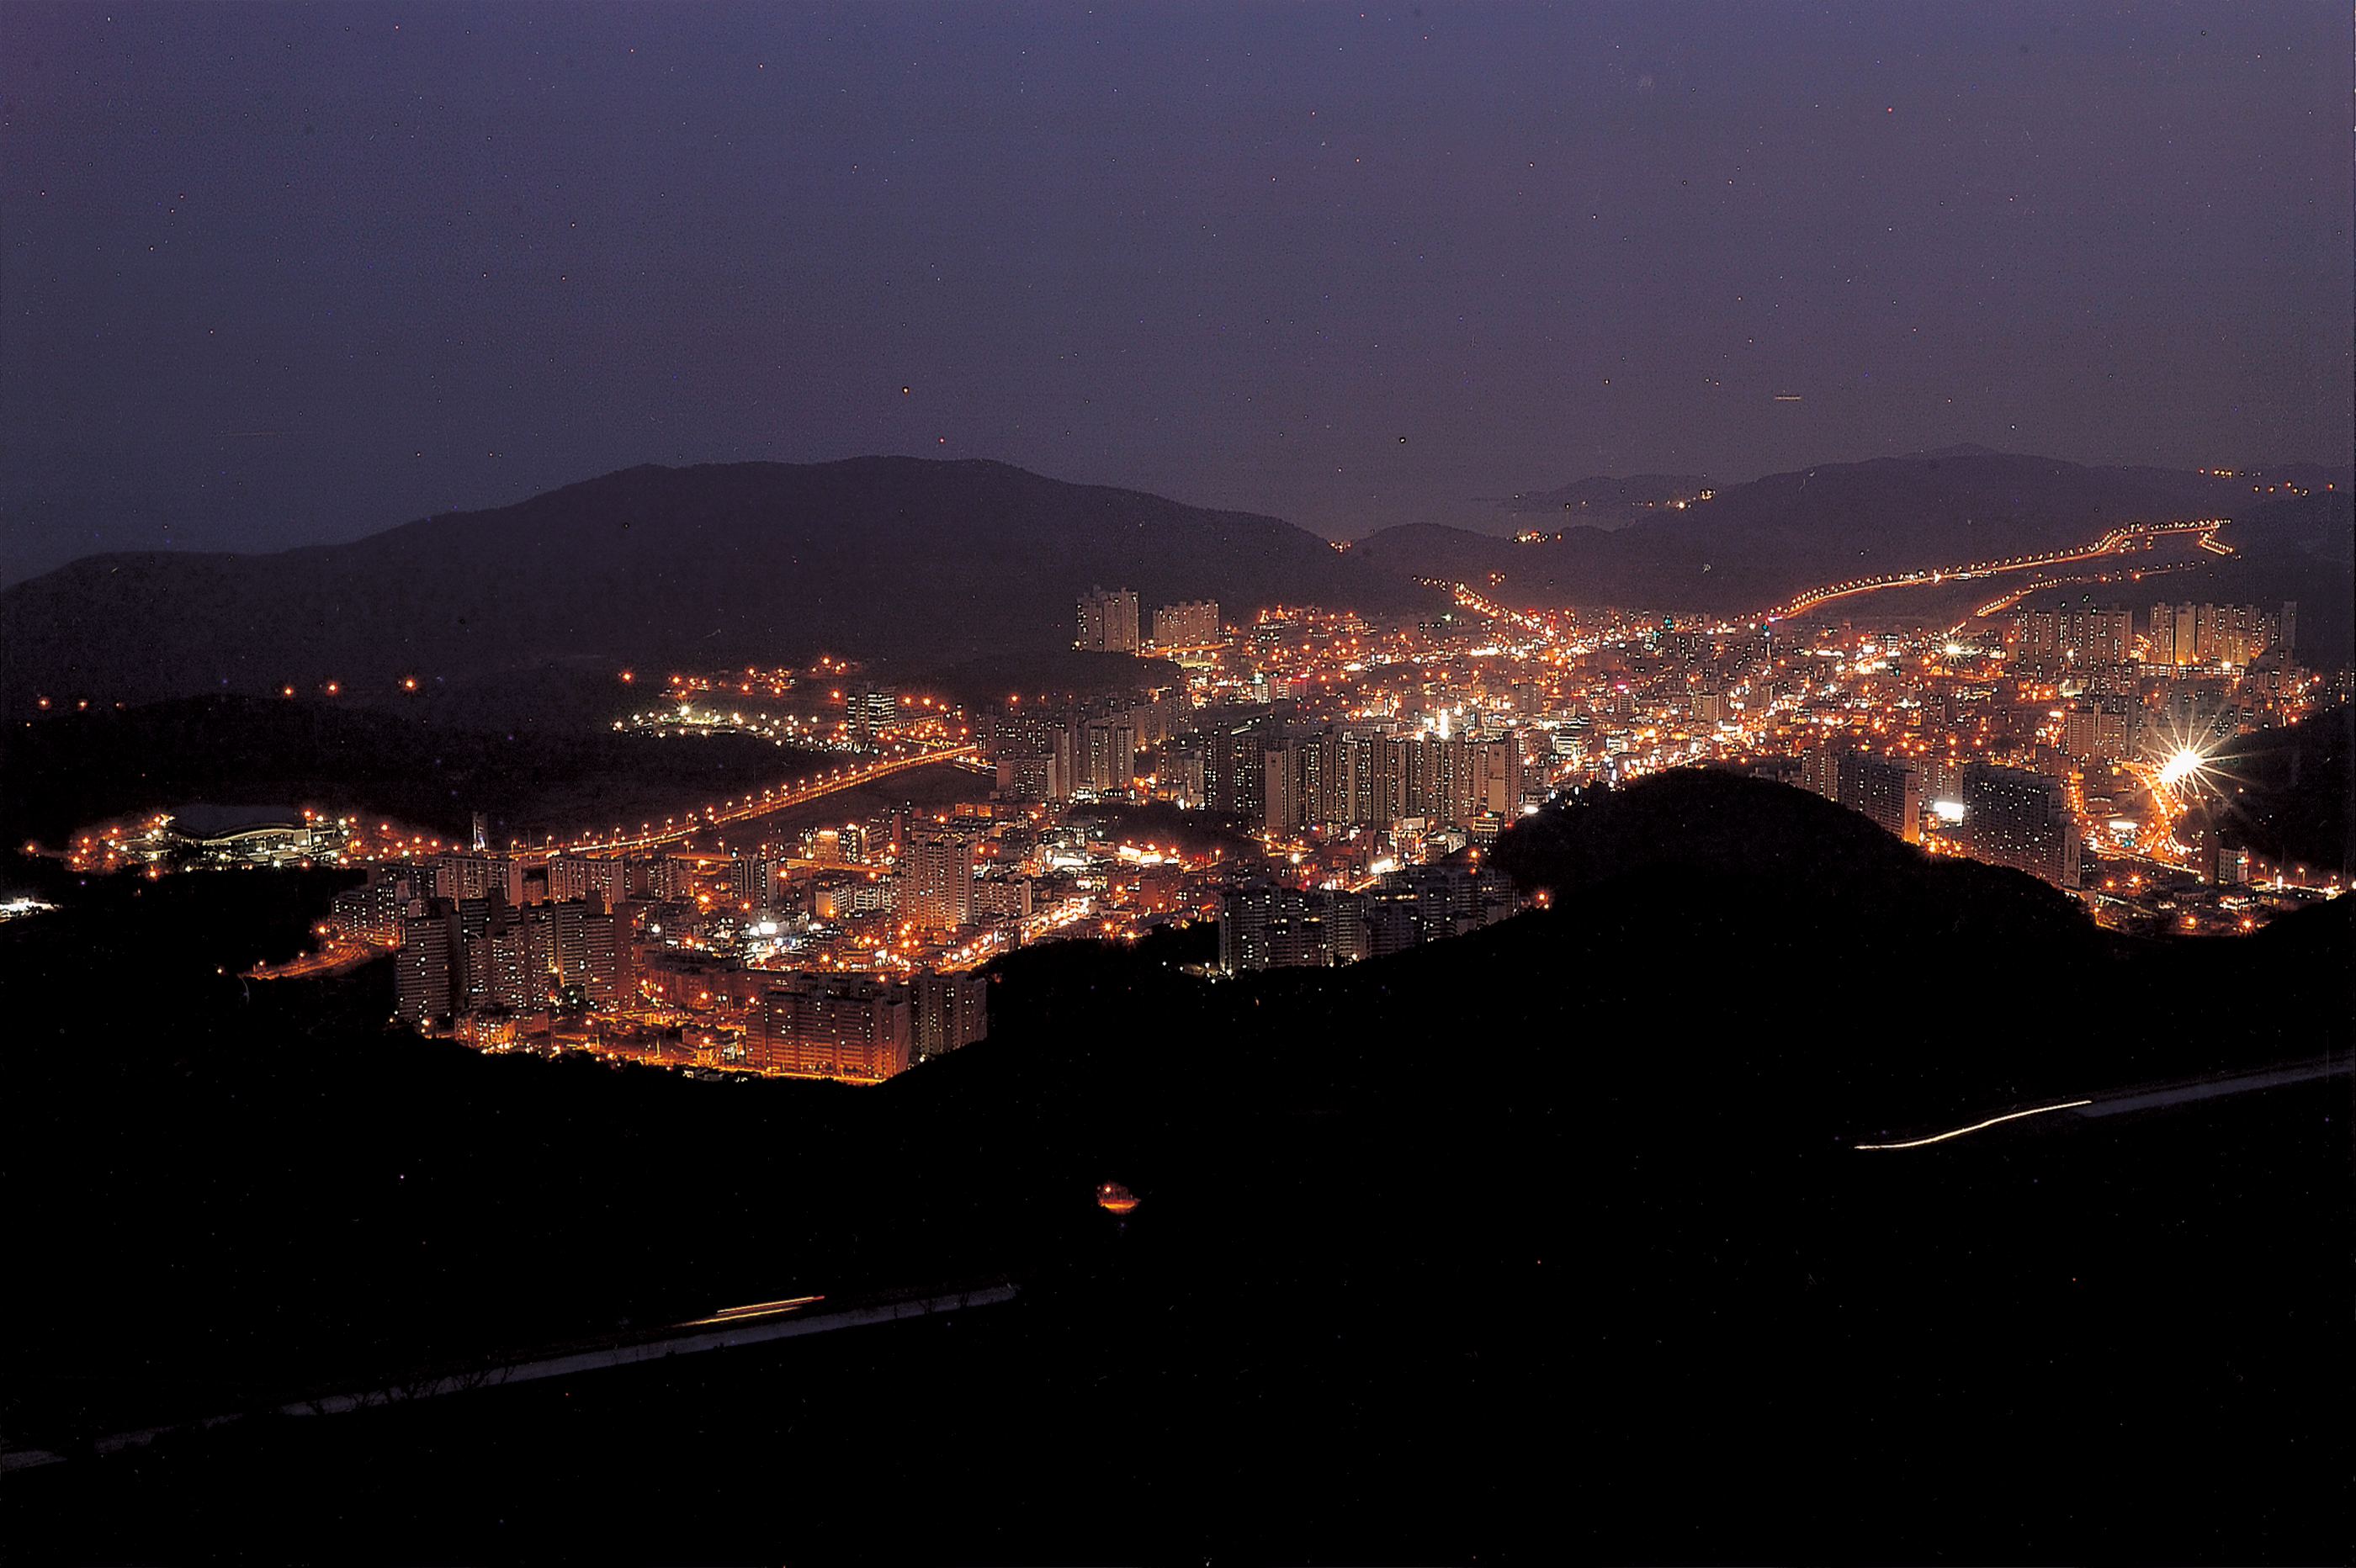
<point x="936" y="889"/>
<point x="1107" y="622"/>
<point x="1192" y="624"/>
<point x="948" y="1012"/>
<point x="830" y="1026"/>
<point x="2012" y="818"/>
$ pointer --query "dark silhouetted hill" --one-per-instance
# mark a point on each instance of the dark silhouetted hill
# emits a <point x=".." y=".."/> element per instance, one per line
<point x="1708" y="826"/>
<point x="1393" y="1216"/>
<point x="2291" y="794"/>
<point x="922" y="563"/>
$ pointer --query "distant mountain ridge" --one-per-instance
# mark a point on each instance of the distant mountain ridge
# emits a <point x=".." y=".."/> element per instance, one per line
<point x="917" y="562"/>
<point x="1751" y="545"/>
<point x="926" y="565"/>
<point x="1605" y="502"/>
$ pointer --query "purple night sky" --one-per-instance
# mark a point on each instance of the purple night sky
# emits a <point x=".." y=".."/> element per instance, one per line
<point x="289" y="275"/>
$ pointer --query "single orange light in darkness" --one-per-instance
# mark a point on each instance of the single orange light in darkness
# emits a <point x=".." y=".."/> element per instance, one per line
<point x="1114" y="1198"/>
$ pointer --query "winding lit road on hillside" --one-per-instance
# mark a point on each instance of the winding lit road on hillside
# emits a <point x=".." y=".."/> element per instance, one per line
<point x="2129" y="538"/>
<point x="2122" y="541"/>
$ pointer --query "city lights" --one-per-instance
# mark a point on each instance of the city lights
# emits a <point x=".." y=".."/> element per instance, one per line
<point x="1359" y="775"/>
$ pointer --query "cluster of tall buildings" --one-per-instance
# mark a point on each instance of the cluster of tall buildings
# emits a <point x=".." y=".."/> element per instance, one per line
<point x="1264" y="927"/>
<point x="2073" y="634"/>
<point x="1282" y="775"/>
<point x="1259" y="763"/>
<point x="2104" y="727"/>
<point x="1054" y="751"/>
<point x="459" y="957"/>
<point x="2220" y="634"/>
<point x="2084" y="635"/>
<point x="2014" y="817"/>
<point x="480" y="938"/>
<point x="854" y="1026"/>
<point x="2004" y="815"/>
<point x="1885" y="789"/>
<point x="1105" y="621"/>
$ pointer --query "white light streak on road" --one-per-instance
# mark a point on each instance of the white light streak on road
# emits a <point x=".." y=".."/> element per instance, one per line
<point x="1976" y="1127"/>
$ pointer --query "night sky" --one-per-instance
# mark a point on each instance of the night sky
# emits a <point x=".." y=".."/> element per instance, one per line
<point x="291" y="274"/>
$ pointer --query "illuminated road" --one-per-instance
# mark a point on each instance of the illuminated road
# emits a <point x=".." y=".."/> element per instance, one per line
<point x="767" y="801"/>
<point x="333" y="959"/>
<point x="2154" y="1096"/>
<point x="2132" y="537"/>
<point x="2071" y="580"/>
<point x="2126" y="540"/>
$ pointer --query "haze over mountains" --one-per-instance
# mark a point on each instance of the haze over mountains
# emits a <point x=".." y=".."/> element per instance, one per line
<point x="1601" y="502"/>
<point x="927" y="565"/>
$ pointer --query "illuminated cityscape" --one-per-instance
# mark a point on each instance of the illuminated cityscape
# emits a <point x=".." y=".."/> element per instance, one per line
<point x="1365" y="767"/>
<point x="1070" y="783"/>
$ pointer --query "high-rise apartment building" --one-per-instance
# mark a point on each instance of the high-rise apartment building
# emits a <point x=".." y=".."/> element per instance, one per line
<point x="477" y="876"/>
<point x="2105" y="728"/>
<point x="1267" y="927"/>
<point x="1108" y="760"/>
<point x="1107" y="622"/>
<point x="2219" y="633"/>
<point x="830" y="1026"/>
<point x="2012" y="818"/>
<point x="938" y="881"/>
<point x="373" y="912"/>
<point x="421" y="972"/>
<point x="1182" y="770"/>
<point x="1192" y="624"/>
<point x="870" y="708"/>
<point x="571" y="877"/>
<point x="1887" y="791"/>
<point x="948" y="1012"/>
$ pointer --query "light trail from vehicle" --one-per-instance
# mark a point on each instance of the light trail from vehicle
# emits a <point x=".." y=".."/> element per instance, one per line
<point x="748" y="1314"/>
<point x="1977" y="1126"/>
<point x="2151" y="1096"/>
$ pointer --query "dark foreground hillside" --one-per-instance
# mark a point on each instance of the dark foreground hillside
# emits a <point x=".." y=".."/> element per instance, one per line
<point x="1546" y="1242"/>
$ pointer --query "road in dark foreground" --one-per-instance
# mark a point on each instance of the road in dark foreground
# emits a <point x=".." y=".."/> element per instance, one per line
<point x="2151" y="1096"/>
<point x="2148" y="1098"/>
<point x="733" y="1328"/>
<point x="1786" y="1353"/>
